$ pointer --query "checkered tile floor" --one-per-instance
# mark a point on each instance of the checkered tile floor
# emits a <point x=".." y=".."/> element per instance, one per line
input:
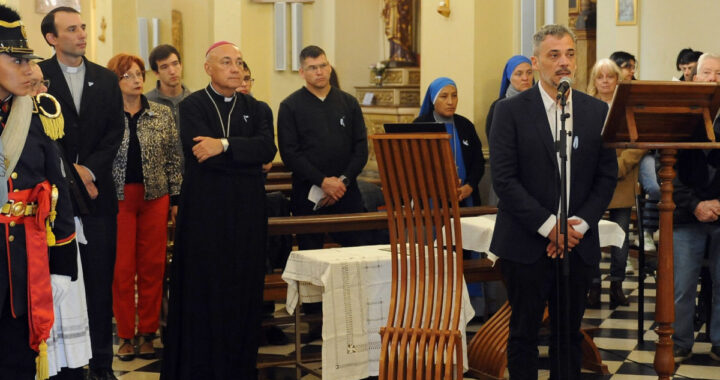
<point x="616" y="339"/>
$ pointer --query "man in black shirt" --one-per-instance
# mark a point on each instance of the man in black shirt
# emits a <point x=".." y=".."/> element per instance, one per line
<point x="322" y="140"/>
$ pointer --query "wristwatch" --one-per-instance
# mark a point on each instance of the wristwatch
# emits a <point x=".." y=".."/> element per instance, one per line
<point x="345" y="181"/>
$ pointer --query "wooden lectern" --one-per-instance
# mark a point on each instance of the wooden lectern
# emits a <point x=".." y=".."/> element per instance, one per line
<point x="667" y="116"/>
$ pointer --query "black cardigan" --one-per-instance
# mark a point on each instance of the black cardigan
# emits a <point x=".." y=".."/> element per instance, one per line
<point x="471" y="151"/>
<point x="488" y="120"/>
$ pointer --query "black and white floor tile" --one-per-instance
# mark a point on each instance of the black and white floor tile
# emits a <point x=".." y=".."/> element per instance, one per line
<point x="616" y="339"/>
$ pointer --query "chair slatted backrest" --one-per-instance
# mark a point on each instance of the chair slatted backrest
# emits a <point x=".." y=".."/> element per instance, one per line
<point x="419" y="179"/>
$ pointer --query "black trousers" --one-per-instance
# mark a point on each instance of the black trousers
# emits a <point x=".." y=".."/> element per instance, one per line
<point x="530" y="287"/>
<point x="98" y="263"/>
<point x="350" y="203"/>
<point x="69" y="374"/>
<point x="17" y="359"/>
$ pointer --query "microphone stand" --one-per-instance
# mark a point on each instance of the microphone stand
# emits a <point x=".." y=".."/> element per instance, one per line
<point x="562" y="151"/>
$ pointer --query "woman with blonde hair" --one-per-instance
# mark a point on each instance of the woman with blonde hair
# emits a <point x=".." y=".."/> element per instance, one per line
<point x="604" y="78"/>
<point x="603" y="81"/>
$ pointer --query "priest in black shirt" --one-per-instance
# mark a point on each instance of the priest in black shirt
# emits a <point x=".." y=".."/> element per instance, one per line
<point x="322" y="139"/>
<point x="219" y="260"/>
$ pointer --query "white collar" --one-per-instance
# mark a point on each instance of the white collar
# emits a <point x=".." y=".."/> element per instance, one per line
<point x="72" y="69"/>
<point x="227" y="100"/>
<point x="549" y="101"/>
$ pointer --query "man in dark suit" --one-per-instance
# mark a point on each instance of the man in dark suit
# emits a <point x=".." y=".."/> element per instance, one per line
<point x="93" y="110"/>
<point x="526" y="178"/>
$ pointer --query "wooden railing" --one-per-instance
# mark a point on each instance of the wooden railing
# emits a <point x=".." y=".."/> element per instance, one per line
<point x="282" y="225"/>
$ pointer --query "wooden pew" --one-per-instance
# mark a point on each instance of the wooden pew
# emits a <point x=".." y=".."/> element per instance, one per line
<point x="308" y="224"/>
<point x="279" y="178"/>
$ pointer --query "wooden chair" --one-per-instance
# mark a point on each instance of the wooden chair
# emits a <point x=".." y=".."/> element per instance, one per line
<point x="422" y="338"/>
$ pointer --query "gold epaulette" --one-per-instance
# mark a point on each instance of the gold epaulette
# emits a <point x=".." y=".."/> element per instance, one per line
<point x="50" y="114"/>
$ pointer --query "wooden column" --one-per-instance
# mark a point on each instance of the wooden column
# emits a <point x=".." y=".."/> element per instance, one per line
<point x="586" y="57"/>
<point x="582" y="20"/>
<point x="664" y="304"/>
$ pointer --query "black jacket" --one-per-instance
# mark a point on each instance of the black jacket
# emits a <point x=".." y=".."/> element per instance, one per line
<point x="488" y="120"/>
<point x="471" y="148"/>
<point x="526" y="176"/>
<point x="698" y="179"/>
<point x="92" y="138"/>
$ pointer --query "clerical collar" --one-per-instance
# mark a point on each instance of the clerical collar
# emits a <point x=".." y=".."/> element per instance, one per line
<point x="225" y="127"/>
<point x="225" y="98"/>
<point x="72" y="69"/>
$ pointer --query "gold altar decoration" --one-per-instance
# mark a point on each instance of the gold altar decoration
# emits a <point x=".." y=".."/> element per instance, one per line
<point x="398" y="17"/>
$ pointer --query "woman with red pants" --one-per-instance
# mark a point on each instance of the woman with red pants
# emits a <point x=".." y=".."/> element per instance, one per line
<point x="147" y="173"/>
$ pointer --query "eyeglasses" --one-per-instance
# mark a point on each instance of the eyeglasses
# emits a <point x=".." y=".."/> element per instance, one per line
<point x="132" y="76"/>
<point x="35" y="85"/>
<point x="248" y="79"/>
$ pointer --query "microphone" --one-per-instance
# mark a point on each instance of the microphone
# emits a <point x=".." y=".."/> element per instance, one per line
<point x="564" y="85"/>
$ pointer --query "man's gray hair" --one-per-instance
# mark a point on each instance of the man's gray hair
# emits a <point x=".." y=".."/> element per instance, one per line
<point x="704" y="57"/>
<point x="555" y="30"/>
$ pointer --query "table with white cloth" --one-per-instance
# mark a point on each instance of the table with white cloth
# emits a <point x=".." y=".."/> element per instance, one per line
<point x="477" y="233"/>
<point x="354" y="286"/>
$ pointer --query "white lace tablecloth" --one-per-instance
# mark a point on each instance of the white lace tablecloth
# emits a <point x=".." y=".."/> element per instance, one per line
<point x="477" y="233"/>
<point x="354" y="286"/>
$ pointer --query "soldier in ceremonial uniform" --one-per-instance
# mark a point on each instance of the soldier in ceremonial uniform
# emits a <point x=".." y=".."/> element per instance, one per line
<point x="36" y="221"/>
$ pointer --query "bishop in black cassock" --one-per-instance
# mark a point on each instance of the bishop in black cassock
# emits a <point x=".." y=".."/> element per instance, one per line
<point x="218" y="265"/>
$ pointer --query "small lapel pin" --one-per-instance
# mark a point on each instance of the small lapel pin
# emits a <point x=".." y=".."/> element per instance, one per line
<point x="246" y="117"/>
<point x="90" y="84"/>
<point x="575" y="142"/>
<point x="466" y="143"/>
<point x="342" y="121"/>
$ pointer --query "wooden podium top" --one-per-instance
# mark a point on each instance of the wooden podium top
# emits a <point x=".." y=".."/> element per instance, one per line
<point x="662" y="112"/>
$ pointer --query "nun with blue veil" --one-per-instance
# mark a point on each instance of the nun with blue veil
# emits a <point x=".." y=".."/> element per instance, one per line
<point x="517" y="76"/>
<point x="439" y="105"/>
